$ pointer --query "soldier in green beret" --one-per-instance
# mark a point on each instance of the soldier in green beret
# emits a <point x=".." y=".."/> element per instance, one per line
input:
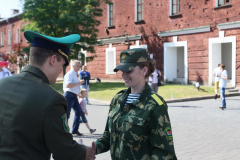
<point x="33" y="119"/>
<point x="138" y="126"/>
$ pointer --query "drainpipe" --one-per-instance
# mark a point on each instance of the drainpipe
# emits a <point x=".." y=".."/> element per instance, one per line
<point x="10" y="36"/>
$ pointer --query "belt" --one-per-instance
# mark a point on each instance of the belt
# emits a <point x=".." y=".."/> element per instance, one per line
<point x="71" y="93"/>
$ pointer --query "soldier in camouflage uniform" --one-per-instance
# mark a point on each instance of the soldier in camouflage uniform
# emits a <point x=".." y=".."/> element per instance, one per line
<point x="140" y="130"/>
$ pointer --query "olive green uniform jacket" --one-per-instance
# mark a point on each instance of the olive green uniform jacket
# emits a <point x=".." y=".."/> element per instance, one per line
<point x="33" y="121"/>
<point x="142" y="131"/>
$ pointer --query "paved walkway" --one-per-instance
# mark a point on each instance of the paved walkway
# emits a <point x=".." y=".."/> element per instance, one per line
<point x="201" y="131"/>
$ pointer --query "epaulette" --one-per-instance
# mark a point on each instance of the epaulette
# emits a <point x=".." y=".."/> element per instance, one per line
<point x="157" y="99"/>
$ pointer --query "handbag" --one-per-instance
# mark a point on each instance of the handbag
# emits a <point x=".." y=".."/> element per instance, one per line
<point x="159" y="80"/>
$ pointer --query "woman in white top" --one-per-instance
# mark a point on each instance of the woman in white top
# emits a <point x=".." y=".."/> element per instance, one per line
<point x="155" y="76"/>
<point x="222" y="85"/>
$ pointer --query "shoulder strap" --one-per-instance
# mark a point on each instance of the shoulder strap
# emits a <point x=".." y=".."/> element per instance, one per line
<point x="157" y="99"/>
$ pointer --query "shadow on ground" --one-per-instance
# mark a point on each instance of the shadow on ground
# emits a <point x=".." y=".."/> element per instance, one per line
<point x="91" y="136"/>
<point x="186" y="106"/>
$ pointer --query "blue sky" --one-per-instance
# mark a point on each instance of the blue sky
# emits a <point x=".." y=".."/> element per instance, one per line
<point x="7" y="5"/>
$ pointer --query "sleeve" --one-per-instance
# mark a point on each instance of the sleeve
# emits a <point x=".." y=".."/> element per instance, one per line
<point x="103" y="143"/>
<point x="89" y="75"/>
<point x="56" y="132"/>
<point x="80" y="73"/>
<point x="161" y="138"/>
<point x="68" y="78"/>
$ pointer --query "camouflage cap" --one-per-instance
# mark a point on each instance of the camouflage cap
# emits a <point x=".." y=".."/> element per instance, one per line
<point x="130" y="58"/>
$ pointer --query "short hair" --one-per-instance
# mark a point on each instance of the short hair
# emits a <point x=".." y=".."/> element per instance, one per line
<point x="219" y="65"/>
<point x="222" y="66"/>
<point x="38" y="55"/>
<point x="82" y="91"/>
<point x="151" y="65"/>
<point x="75" y="61"/>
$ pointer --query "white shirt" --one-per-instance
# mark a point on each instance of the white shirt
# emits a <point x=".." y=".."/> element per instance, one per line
<point x="71" y="77"/>
<point x="5" y="73"/>
<point x="223" y="82"/>
<point x="155" y="76"/>
<point x="217" y="71"/>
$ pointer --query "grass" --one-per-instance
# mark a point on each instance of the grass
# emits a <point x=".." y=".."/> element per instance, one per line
<point x="106" y="90"/>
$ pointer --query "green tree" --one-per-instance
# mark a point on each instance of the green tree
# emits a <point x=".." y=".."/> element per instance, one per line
<point x="59" y="18"/>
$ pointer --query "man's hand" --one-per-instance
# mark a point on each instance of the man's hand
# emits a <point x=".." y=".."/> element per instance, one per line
<point x="91" y="151"/>
<point x="81" y="82"/>
<point x="86" y="113"/>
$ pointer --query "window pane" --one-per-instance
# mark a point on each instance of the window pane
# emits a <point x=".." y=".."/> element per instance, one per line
<point x="221" y="2"/>
<point x="174" y="1"/>
<point x="174" y="9"/>
<point x="139" y="16"/>
<point x="178" y="8"/>
<point x="139" y="8"/>
<point x="142" y="7"/>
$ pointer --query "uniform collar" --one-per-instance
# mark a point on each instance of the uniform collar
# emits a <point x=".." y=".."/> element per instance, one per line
<point x="37" y="72"/>
<point x="142" y="99"/>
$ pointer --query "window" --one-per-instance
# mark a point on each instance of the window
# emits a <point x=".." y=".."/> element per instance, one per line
<point x="175" y="7"/>
<point x="138" y="10"/>
<point x="223" y="2"/>
<point x="110" y="60"/>
<point x="2" y="39"/>
<point x="17" y="36"/>
<point x="111" y="15"/>
<point x="9" y="38"/>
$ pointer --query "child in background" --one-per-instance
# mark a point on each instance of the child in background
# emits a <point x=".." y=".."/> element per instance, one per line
<point x="83" y="104"/>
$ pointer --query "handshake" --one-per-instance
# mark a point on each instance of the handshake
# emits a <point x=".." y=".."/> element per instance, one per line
<point x="90" y="150"/>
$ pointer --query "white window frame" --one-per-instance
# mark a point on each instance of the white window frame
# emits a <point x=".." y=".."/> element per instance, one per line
<point x="85" y="54"/>
<point x="9" y="38"/>
<point x="1" y="38"/>
<point x="217" y="3"/>
<point x="17" y="36"/>
<point x="114" y="57"/>
<point x="136" y="11"/>
<point x="171" y="8"/>
<point x="108" y="15"/>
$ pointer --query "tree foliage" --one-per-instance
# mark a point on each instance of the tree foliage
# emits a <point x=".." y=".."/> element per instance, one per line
<point x="59" y="18"/>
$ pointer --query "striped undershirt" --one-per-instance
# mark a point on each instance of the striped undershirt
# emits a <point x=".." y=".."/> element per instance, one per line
<point x="131" y="98"/>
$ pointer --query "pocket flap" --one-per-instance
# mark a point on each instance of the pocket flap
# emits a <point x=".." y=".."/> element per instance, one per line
<point x="135" y="120"/>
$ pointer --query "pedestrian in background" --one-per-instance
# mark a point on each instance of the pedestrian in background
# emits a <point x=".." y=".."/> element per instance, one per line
<point x="33" y="119"/>
<point x="222" y="85"/>
<point x="4" y="72"/>
<point x="217" y="71"/>
<point x="85" y="75"/>
<point x="138" y="126"/>
<point x="83" y="104"/>
<point x="156" y="75"/>
<point x="71" y="89"/>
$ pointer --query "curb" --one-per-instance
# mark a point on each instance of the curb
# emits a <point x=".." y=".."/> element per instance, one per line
<point x="200" y="98"/>
<point x="100" y="101"/>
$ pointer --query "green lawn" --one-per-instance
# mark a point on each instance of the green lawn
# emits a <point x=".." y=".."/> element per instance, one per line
<point x="106" y="90"/>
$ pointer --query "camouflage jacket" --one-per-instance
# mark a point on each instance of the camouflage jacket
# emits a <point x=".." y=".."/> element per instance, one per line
<point x="140" y="131"/>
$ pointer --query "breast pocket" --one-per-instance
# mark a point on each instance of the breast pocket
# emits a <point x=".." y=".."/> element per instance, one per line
<point x="133" y="129"/>
<point x="111" y="119"/>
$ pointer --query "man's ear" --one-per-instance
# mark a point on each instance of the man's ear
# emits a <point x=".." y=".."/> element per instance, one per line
<point x="53" y="60"/>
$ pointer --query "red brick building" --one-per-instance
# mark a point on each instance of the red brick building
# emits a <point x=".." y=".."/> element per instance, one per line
<point x="187" y="38"/>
